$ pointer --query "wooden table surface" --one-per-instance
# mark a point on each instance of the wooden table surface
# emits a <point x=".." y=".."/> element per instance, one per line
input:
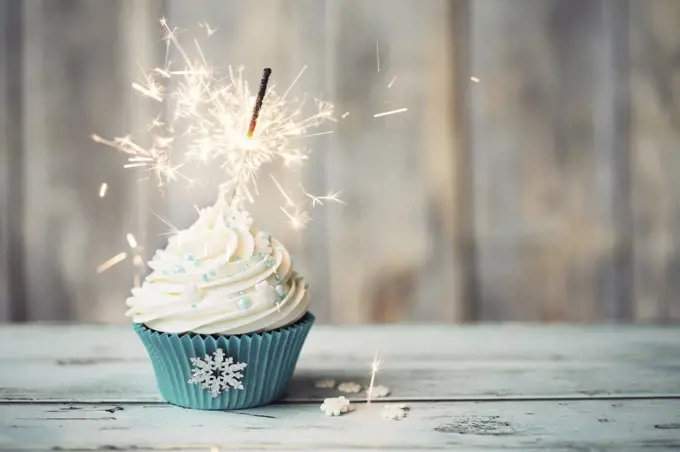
<point x="487" y="387"/>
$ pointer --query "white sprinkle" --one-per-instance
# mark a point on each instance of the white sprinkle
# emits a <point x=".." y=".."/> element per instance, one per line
<point x="391" y="112"/>
<point x="345" y="114"/>
<point x="102" y="190"/>
<point x="392" y="82"/>
<point x="474" y="79"/>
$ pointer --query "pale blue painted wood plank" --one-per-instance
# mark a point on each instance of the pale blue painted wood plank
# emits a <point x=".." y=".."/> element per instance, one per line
<point x="575" y="425"/>
<point x="107" y="363"/>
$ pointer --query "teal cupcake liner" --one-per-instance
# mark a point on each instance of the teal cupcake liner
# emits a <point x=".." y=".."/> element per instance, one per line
<point x="216" y="372"/>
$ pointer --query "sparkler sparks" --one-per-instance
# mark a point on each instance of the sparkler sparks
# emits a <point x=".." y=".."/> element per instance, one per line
<point x="208" y="122"/>
<point x="131" y="240"/>
<point x="208" y="30"/>
<point x="375" y="366"/>
<point x="101" y="268"/>
<point x="377" y="54"/>
<point x="298" y="217"/>
<point x="391" y="112"/>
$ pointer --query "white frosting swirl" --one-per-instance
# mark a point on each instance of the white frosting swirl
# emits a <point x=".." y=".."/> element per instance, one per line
<point x="220" y="276"/>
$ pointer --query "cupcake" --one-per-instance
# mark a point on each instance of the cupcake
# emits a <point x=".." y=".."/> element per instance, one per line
<point x="222" y="315"/>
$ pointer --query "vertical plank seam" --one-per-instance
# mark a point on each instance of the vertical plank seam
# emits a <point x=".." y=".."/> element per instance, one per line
<point x="465" y="242"/>
<point x="614" y="129"/>
<point x="13" y="214"/>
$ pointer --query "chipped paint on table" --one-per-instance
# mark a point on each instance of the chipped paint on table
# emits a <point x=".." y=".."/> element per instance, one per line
<point x="467" y="387"/>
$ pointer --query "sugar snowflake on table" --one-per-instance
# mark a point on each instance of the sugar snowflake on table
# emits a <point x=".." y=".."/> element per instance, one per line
<point x="326" y="383"/>
<point x="216" y="374"/>
<point x="379" y="391"/>
<point x="394" y="412"/>
<point x="335" y="406"/>
<point x="349" y="387"/>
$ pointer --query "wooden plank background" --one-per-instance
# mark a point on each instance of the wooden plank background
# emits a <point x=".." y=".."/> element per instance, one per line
<point x="544" y="192"/>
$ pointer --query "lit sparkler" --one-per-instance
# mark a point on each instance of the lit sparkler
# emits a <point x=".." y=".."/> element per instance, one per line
<point x="375" y="366"/>
<point x="391" y="112"/>
<point x="211" y="120"/>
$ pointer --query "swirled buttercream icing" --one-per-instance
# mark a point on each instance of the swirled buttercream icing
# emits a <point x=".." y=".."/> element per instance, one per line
<point x="220" y="276"/>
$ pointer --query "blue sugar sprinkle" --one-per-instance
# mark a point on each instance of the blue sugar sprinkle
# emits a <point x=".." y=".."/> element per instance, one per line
<point x="190" y="257"/>
<point x="204" y="277"/>
<point x="244" y="303"/>
<point x="212" y="273"/>
<point x="179" y="269"/>
<point x="277" y="277"/>
<point x="193" y="306"/>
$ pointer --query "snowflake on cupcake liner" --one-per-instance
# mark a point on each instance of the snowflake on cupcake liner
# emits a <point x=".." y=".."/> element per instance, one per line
<point x="216" y="374"/>
<point x="394" y="412"/>
<point x="335" y="406"/>
<point x="349" y="387"/>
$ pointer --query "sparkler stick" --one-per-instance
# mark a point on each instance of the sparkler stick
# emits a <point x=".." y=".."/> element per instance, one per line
<point x="258" y="102"/>
<point x="251" y="128"/>
<point x="211" y="120"/>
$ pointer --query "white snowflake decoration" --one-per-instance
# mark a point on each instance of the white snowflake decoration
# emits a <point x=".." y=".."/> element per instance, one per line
<point x="217" y="374"/>
<point x="394" y="412"/>
<point x="379" y="391"/>
<point x="326" y="383"/>
<point x="335" y="406"/>
<point x="349" y="387"/>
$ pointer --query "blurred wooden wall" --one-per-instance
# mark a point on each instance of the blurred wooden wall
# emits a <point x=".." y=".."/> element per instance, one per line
<point x="532" y="177"/>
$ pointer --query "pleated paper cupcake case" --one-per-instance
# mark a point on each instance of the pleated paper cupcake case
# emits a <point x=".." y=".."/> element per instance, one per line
<point x="270" y="359"/>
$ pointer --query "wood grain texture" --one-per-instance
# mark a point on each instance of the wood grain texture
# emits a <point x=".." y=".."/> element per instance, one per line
<point x="545" y="425"/>
<point x="108" y="364"/>
<point x="655" y="93"/>
<point x="544" y="236"/>
<point x="74" y="52"/>
<point x="11" y="253"/>
<point x="542" y="193"/>
<point x="392" y="253"/>
<point x="91" y="388"/>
